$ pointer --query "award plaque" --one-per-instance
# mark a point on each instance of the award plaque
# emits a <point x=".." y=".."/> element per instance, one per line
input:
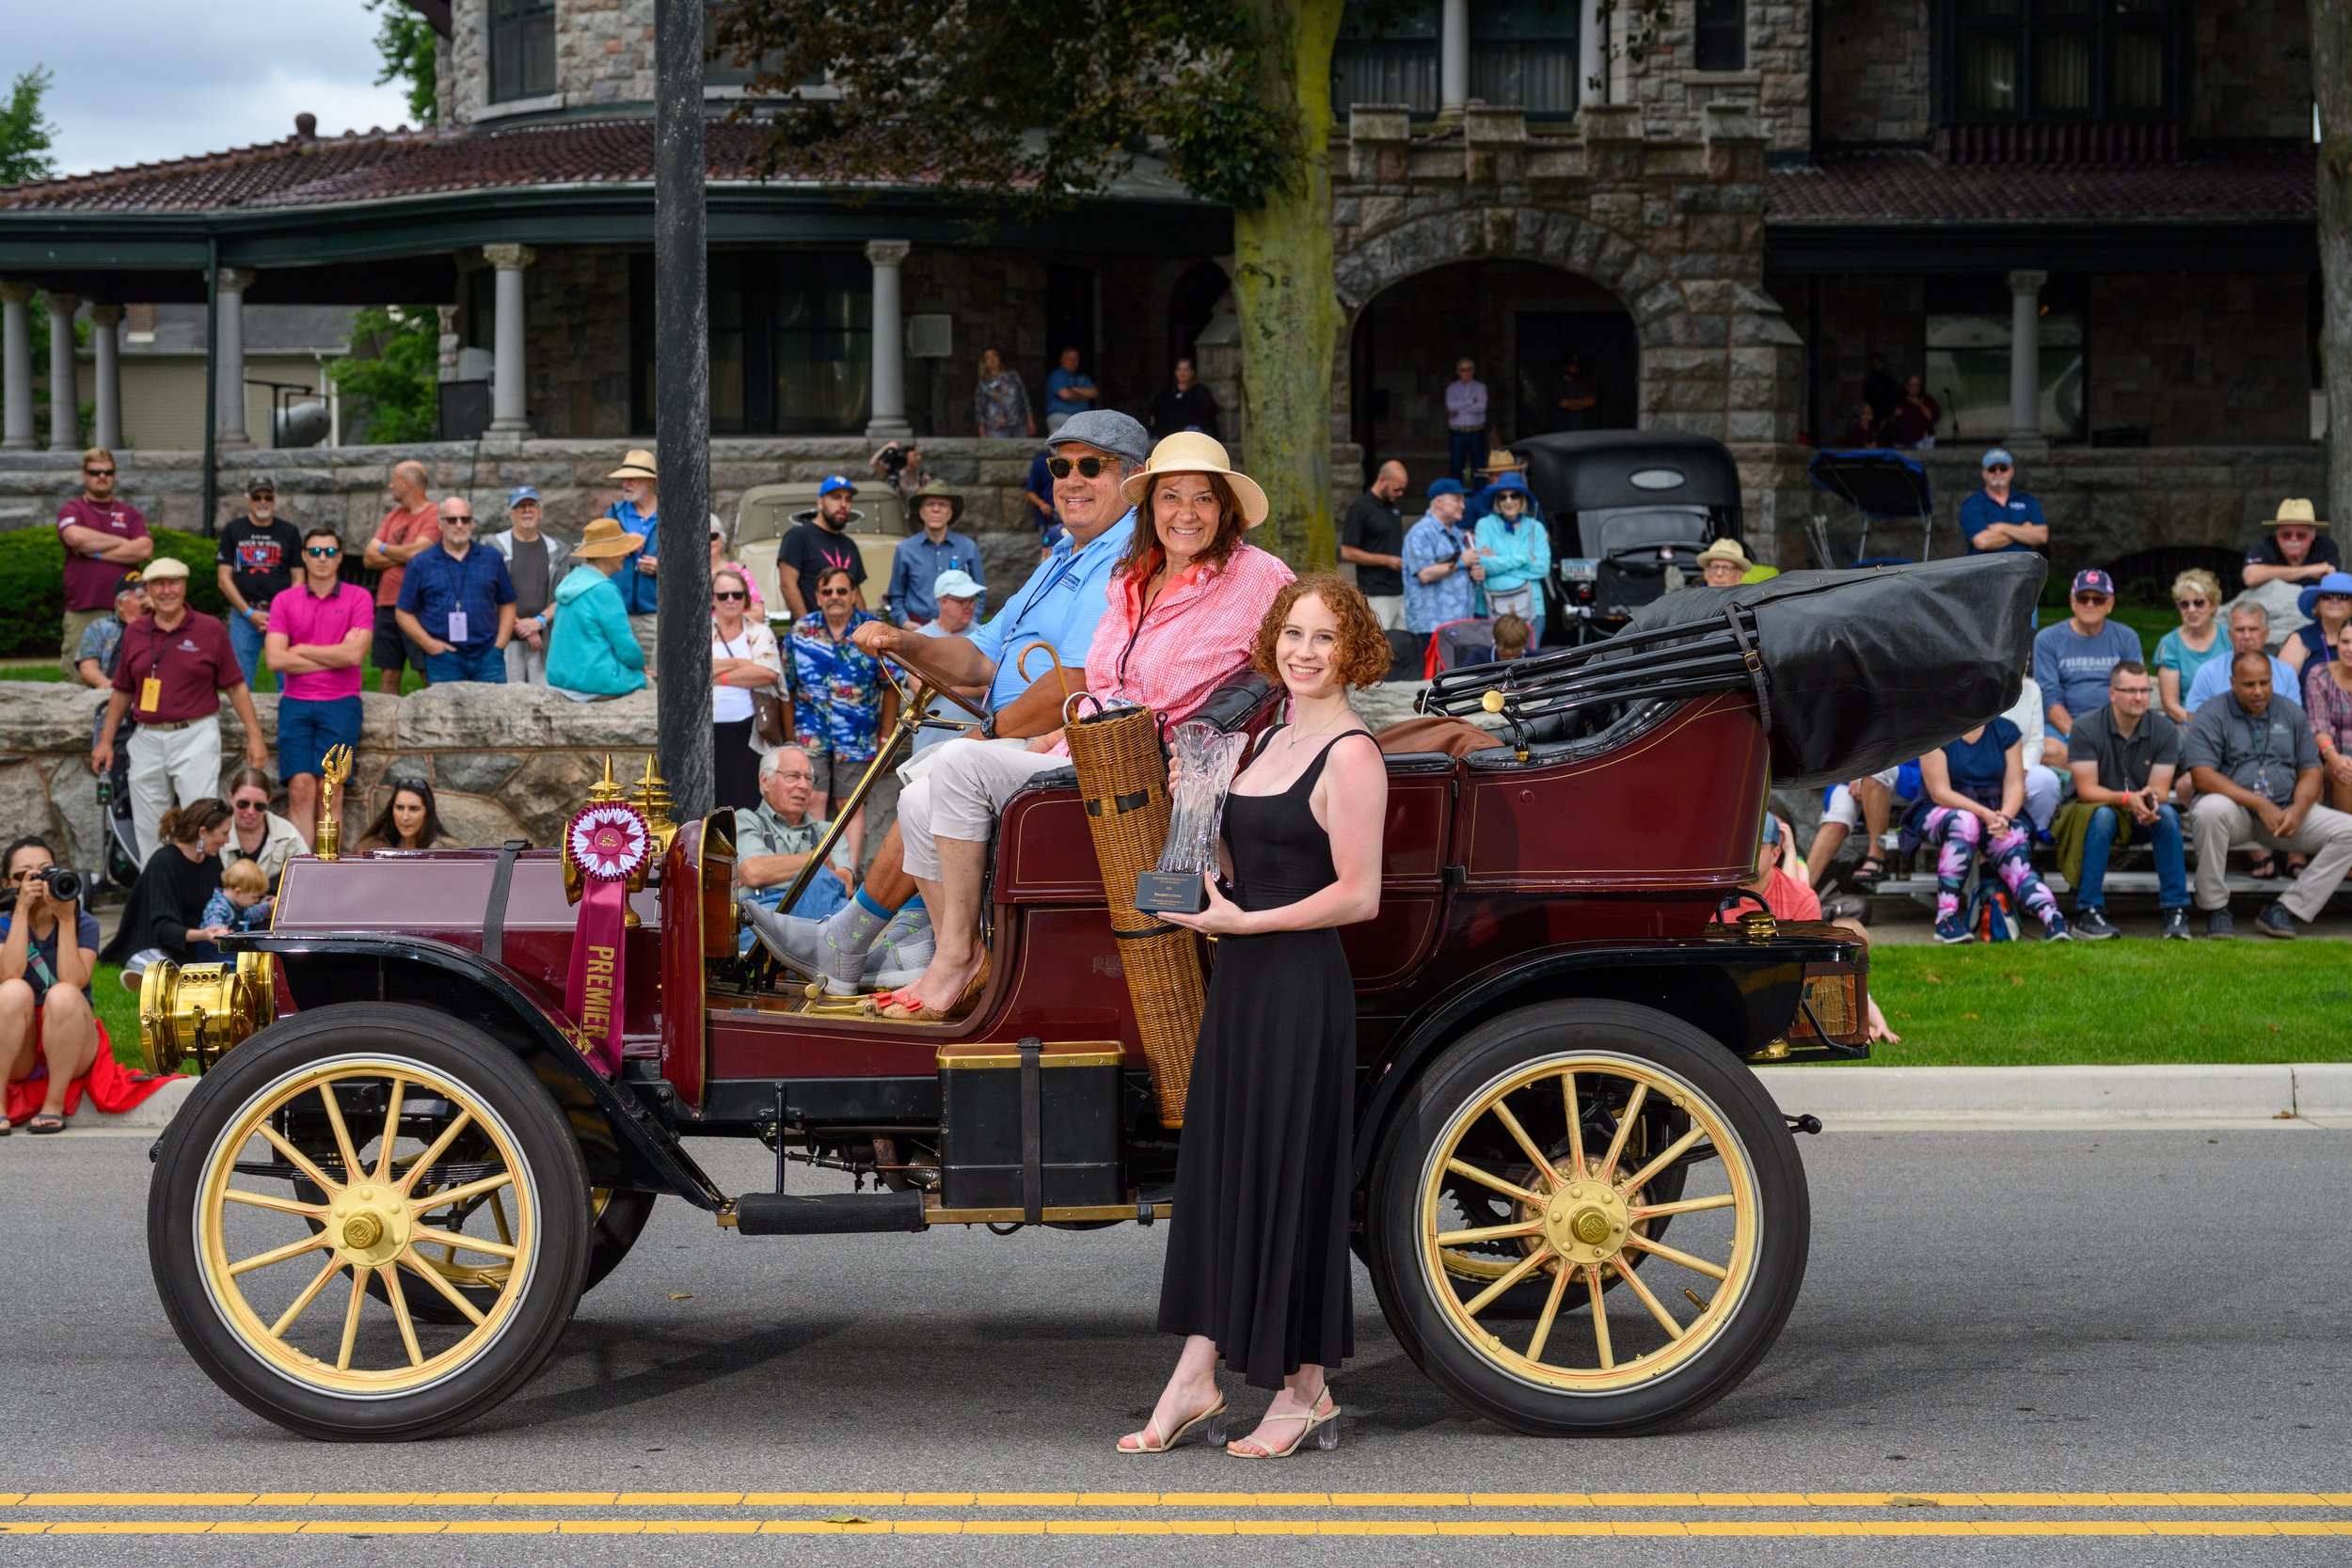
<point x="1200" y="764"/>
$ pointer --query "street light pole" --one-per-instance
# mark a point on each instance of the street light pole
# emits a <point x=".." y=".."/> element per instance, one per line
<point x="681" y="320"/>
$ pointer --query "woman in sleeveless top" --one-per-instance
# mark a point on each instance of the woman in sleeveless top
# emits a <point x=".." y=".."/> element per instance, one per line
<point x="1257" y="1274"/>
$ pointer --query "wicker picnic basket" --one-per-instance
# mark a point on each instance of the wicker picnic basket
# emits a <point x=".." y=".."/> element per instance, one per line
<point x="1123" y="776"/>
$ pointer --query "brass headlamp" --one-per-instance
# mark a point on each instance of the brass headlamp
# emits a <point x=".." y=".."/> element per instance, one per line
<point x="198" y="1011"/>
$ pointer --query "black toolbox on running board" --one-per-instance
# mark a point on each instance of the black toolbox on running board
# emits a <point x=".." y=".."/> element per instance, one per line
<point x="1030" y="1126"/>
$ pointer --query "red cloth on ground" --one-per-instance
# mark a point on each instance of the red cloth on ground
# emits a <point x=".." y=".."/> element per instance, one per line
<point x="111" y="1087"/>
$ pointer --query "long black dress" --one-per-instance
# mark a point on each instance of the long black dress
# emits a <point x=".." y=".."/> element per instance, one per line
<point x="1257" y="1257"/>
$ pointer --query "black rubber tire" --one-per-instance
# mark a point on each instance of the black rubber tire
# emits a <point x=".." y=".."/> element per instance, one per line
<point x="1496" y="1047"/>
<point x="543" y="1144"/>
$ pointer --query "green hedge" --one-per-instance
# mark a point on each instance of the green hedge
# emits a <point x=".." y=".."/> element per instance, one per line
<point x="32" y="586"/>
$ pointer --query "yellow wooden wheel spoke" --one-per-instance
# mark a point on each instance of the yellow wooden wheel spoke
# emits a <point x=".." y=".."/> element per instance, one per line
<point x="1552" y="1309"/>
<point x="392" y="1131"/>
<point x="1472" y="1173"/>
<point x="427" y="1236"/>
<point x="1624" y="1129"/>
<point x="309" y="1294"/>
<point x="399" y="1299"/>
<point x="271" y="1201"/>
<point x="1600" y="1320"/>
<point x="1666" y="1157"/>
<point x="498" y="1218"/>
<point x="279" y="1255"/>
<point x="1490" y="1233"/>
<point x="351" y="1319"/>
<point x="295" y="1157"/>
<point x="1671" y="1255"/>
<point x="342" y="1134"/>
<point x="433" y="1278"/>
<point x="1575" y="1124"/>
<point x="1656" y="1309"/>
<point x="1684" y="1206"/>
<point x="1527" y="1145"/>
<point x="1528" y="1265"/>
<point x="471" y="1189"/>
<point x="423" y="1163"/>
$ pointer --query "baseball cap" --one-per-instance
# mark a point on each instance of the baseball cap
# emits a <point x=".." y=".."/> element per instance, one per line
<point x="834" y="481"/>
<point x="132" y="581"/>
<point x="165" y="566"/>
<point x="955" y="583"/>
<point x="2093" y="581"/>
<point x="1445" y="488"/>
<point x="1772" y="828"/>
<point x="1106" y="430"/>
<point x="256" y="484"/>
<point x="520" y="494"/>
<point x="1998" y="457"/>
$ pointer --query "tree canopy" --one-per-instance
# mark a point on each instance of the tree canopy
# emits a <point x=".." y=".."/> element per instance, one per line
<point x="25" y="134"/>
<point x="410" y="52"/>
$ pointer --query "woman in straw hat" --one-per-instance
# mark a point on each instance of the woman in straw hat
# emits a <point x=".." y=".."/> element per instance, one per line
<point x="591" y="651"/>
<point x="1186" y="601"/>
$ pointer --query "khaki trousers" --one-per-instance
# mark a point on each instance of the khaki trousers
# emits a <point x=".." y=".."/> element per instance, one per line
<point x="169" y="767"/>
<point x="2218" y="824"/>
<point x="961" y="796"/>
<point x="76" y="622"/>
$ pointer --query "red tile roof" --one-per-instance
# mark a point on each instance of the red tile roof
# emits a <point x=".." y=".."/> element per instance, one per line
<point x="1916" y="187"/>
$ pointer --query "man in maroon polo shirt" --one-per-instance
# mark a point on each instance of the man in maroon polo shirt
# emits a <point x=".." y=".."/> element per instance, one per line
<point x="174" y="665"/>
<point x="103" y="538"/>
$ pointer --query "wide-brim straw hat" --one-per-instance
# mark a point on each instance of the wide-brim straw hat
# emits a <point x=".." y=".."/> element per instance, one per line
<point x="604" y="538"/>
<point x="637" y="465"/>
<point x="2295" y="510"/>
<point x="1189" y="452"/>
<point x="937" y="490"/>
<point x="1725" y="550"/>
<point x="1501" y="460"/>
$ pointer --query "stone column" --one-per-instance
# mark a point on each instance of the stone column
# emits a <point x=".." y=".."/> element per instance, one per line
<point x="888" y="421"/>
<point x="508" y="415"/>
<point x="1592" y="54"/>
<point x="64" y="381"/>
<point x="2024" y="357"/>
<point x="228" y="361"/>
<point x="106" y="336"/>
<point x="16" y="367"/>
<point x="1452" y="59"/>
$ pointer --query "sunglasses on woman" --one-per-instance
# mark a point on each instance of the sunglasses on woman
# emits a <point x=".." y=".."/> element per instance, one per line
<point x="724" y="596"/>
<point x="250" y="805"/>
<point x="2192" y="604"/>
<point x="1089" y="467"/>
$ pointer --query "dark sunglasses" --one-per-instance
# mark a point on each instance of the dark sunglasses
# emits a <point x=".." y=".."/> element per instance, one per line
<point x="418" y="786"/>
<point x="726" y="594"/>
<point x="2093" y="598"/>
<point x="250" y="805"/>
<point x="1996" y="467"/>
<point x="99" y="473"/>
<point x="833" y="593"/>
<point x="459" y="518"/>
<point x="1060" y="467"/>
<point x="323" y="552"/>
<point x="2192" y="604"/>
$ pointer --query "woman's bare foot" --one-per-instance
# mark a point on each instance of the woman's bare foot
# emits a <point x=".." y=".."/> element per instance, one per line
<point x="1183" y="1399"/>
<point x="944" y="979"/>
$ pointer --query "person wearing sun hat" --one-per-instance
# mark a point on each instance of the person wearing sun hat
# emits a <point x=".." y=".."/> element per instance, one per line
<point x="639" y="512"/>
<point x="593" y="651"/>
<point x="2329" y="602"/>
<point x="924" y="555"/>
<point x="1724" y="564"/>
<point x="1186" y="600"/>
<point x="2295" y="546"/>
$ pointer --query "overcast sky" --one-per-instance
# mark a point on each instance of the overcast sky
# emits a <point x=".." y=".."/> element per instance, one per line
<point x="138" y="81"/>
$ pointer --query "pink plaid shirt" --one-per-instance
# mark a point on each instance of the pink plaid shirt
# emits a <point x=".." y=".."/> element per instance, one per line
<point x="1195" y="637"/>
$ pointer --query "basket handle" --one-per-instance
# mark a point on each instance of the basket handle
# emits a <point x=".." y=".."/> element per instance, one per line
<point x="1021" y="666"/>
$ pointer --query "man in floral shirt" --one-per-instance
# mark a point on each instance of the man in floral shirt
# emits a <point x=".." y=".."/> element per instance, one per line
<point x="842" y="698"/>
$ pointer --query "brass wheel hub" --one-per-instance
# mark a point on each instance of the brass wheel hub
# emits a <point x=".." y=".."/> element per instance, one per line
<point x="372" y="1223"/>
<point x="1586" y="1222"/>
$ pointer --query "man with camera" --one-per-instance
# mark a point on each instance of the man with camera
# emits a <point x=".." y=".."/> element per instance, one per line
<point x="902" y="468"/>
<point x="47" y="955"/>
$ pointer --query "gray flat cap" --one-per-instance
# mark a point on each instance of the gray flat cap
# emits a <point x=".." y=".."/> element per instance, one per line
<point x="1107" y="430"/>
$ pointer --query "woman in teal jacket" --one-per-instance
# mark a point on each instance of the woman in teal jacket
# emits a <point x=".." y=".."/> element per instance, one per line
<point x="591" y="651"/>
<point x="1517" y="553"/>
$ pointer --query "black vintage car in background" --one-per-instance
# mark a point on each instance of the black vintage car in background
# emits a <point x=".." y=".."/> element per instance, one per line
<point x="1630" y="512"/>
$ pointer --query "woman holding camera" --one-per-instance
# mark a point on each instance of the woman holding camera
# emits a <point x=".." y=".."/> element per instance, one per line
<point x="50" y="1039"/>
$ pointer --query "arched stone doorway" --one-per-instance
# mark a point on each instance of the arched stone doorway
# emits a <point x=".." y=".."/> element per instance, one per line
<point x="1524" y="322"/>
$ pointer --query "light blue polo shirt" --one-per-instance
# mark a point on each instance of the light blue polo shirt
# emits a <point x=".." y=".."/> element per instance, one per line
<point x="1058" y="606"/>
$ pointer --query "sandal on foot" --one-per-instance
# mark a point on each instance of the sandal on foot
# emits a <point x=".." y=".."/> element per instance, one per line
<point x="44" y="1124"/>
<point x="1214" y="1431"/>
<point x="1871" y="871"/>
<point x="902" y="1007"/>
<point x="2262" y="868"/>
<point x="1318" y="1421"/>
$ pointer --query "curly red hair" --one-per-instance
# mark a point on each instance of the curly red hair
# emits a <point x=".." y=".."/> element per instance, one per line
<point x="1363" y="646"/>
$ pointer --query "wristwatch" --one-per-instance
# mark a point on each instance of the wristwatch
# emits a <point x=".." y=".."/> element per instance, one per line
<point x="988" y="727"/>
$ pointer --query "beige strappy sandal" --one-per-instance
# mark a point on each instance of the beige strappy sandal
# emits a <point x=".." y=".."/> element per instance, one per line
<point x="1320" y="1422"/>
<point x="1213" y="1433"/>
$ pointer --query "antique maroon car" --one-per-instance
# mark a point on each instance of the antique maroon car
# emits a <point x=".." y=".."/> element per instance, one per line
<point x="1580" y="1211"/>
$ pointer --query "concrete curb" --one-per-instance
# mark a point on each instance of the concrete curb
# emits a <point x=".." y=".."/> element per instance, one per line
<point x="2314" y="1094"/>
<point x="148" y="1116"/>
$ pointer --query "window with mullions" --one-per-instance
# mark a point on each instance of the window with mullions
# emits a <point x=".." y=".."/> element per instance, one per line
<point x="522" y="49"/>
<point x="2060" y="59"/>
<point x="1523" y="55"/>
<point x="1719" y="40"/>
<point x="791" y="341"/>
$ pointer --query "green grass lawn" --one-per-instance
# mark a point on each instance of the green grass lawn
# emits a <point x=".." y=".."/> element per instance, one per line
<point x="118" y="1010"/>
<point x="409" y="679"/>
<point x="2115" y="1001"/>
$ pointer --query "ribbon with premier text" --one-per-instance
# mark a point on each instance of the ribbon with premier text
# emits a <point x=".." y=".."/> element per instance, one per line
<point x="610" y="844"/>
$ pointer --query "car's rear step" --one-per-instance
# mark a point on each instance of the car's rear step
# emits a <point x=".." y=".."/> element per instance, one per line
<point x="826" y="1213"/>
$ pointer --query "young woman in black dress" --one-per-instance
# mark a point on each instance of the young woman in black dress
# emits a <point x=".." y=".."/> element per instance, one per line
<point x="1257" y="1270"/>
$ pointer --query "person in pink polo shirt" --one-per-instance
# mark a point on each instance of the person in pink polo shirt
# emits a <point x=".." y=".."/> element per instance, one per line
<point x="319" y="632"/>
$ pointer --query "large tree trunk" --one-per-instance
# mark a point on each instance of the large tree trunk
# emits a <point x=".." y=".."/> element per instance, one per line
<point x="1286" y="302"/>
<point x="2331" y="86"/>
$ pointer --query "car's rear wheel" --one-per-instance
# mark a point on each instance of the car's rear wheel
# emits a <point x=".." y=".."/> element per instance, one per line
<point x="1628" y="1333"/>
<point x="299" y="1300"/>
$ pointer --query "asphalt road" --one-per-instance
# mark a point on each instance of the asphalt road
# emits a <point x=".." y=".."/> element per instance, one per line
<point x="1987" y="1313"/>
